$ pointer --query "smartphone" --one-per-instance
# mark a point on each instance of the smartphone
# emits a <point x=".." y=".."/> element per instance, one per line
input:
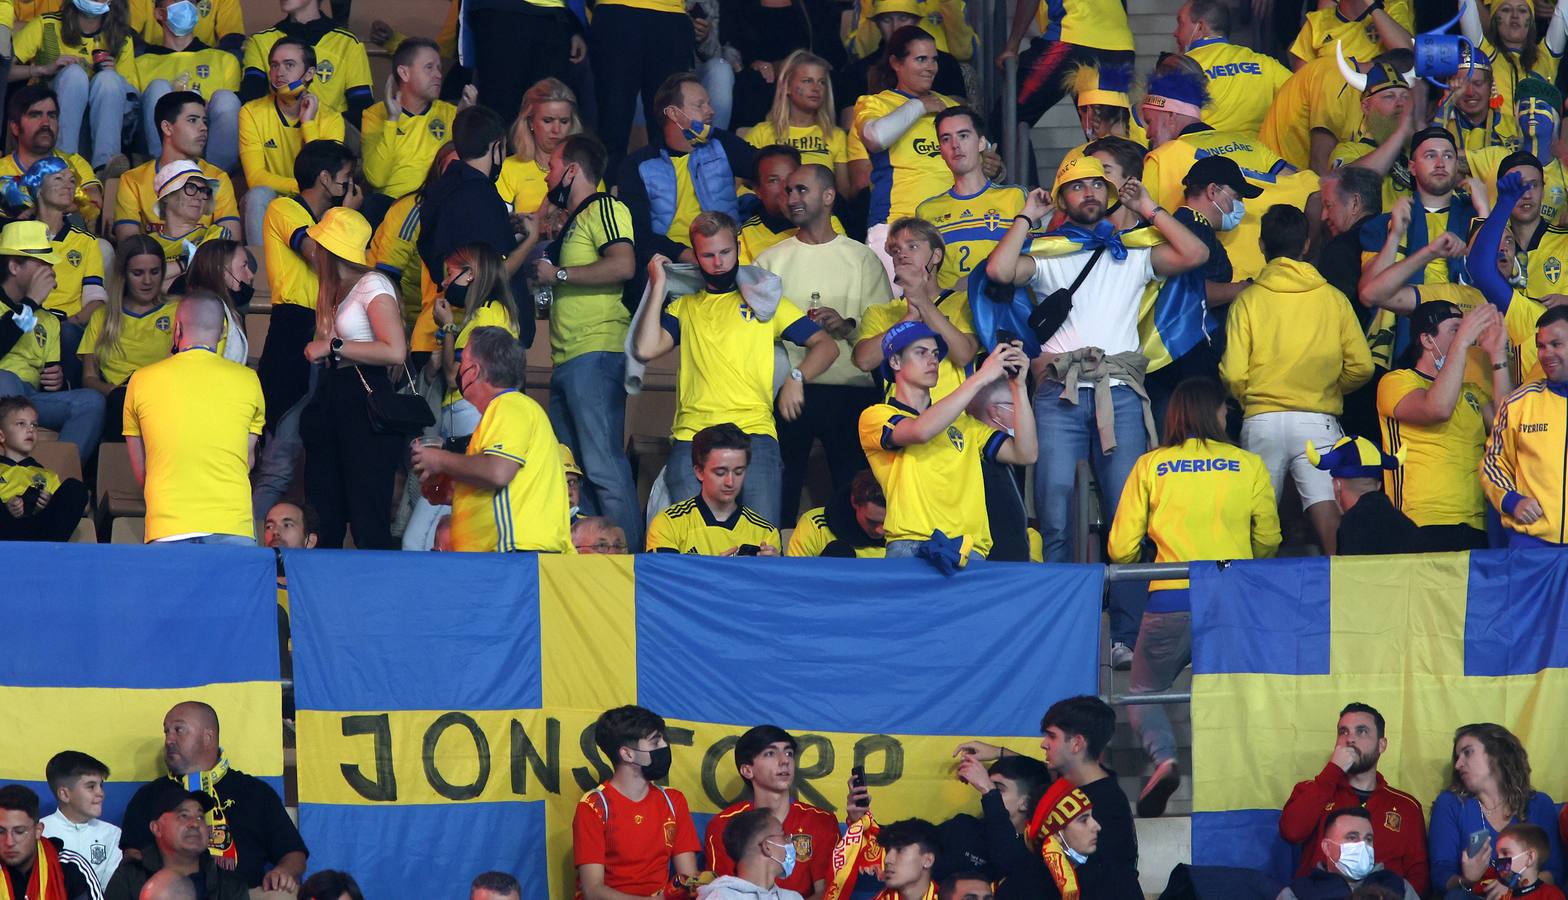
<point x="1005" y="337"/>
<point x="857" y="783"/>
<point x="747" y="550"/>
<point x="1477" y="840"/>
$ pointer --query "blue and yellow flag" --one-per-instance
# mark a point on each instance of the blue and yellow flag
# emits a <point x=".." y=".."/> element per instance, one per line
<point x="447" y="702"/>
<point x="102" y="641"/>
<point x="1433" y="642"/>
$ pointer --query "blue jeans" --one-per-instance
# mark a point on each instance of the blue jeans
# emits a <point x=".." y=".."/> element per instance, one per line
<point x="223" y="125"/>
<point x="102" y="99"/>
<point x="1164" y="649"/>
<point x="279" y="462"/>
<point x="1067" y="434"/>
<point x="254" y="209"/>
<point x="911" y="550"/>
<point x="588" y="413"/>
<point x="763" y="474"/>
<point x="233" y="540"/>
<point x="719" y="79"/>
<point x="76" y="414"/>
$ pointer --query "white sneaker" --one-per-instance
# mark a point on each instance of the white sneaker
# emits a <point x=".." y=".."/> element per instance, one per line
<point x="1121" y="657"/>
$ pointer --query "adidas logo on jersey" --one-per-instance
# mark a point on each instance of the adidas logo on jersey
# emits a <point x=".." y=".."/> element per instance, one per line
<point x="271" y="144"/>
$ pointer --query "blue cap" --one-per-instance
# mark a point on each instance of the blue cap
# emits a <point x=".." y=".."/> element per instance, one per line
<point x="902" y="335"/>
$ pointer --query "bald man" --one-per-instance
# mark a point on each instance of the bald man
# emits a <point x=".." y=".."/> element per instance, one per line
<point x="168" y="884"/>
<point x="191" y="426"/>
<point x="252" y="835"/>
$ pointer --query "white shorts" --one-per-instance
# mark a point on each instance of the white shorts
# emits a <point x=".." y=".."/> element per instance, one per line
<point x="1281" y="439"/>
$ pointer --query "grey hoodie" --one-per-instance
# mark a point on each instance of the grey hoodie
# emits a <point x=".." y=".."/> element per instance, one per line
<point x="730" y="887"/>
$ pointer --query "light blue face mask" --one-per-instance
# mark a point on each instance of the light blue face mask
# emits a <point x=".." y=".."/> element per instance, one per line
<point x="25" y="319"/>
<point x="1232" y="219"/>
<point x="183" y="16"/>
<point x="91" y="8"/>
<point x="1074" y="855"/>
<point x="788" y="862"/>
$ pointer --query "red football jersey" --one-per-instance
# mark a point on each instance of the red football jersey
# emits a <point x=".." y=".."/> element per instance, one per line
<point x="814" y="832"/>
<point x="634" y="841"/>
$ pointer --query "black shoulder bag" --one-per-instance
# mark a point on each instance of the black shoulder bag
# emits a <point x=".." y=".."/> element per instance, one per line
<point x="1049" y="314"/>
<point x="394" y="412"/>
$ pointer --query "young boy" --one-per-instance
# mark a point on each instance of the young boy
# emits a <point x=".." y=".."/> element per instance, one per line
<point x="1522" y="849"/>
<point x="909" y="850"/>
<point x="764" y="856"/>
<point x="76" y="780"/>
<point x="35" y="504"/>
<point x="765" y="757"/>
<point x="627" y="831"/>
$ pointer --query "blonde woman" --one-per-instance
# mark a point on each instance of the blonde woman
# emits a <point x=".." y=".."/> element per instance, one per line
<point x="134" y="328"/>
<point x="1508" y="38"/>
<point x="548" y="116"/>
<point x="802" y="117"/>
<point x="184" y="199"/>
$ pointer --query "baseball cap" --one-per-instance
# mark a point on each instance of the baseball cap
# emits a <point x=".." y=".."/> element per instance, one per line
<point x="1354" y="457"/>
<point x="902" y="335"/>
<point x="166" y="795"/>
<point x="1432" y="133"/>
<point x="1425" y="318"/>
<point x="1220" y="170"/>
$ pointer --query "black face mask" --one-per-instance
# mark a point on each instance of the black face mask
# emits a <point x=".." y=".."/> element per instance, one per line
<point x="457" y="295"/>
<point x="722" y="283"/>
<point x="658" y="764"/>
<point x="561" y="194"/>
<point x="243" y="294"/>
<point x="496" y="159"/>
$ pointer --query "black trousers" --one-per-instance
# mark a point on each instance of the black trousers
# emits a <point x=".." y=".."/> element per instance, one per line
<point x="55" y="522"/>
<point x="348" y="467"/>
<point x="1040" y="71"/>
<point x="512" y="50"/>
<point x="1451" y="538"/>
<point x="832" y="416"/>
<point x="283" y="370"/>
<point x="114" y="417"/>
<point x="633" y="51"/>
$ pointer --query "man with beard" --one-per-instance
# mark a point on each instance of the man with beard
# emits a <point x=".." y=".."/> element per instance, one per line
<point x="726" y="331"/>
<point x="1352" y="197"/>
<point x="33" y="120"/>
<point x="1434" y="168"/>
<point x="1386" y="104"/>
<point x="1350" y="779"/>
<point x="1524" y="462"/>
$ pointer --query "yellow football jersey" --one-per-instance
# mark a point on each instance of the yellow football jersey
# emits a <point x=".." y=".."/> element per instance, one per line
<point x="42" y="41"/>
<point x="907" y="172"/>
<point x="1478" y="365"/>
<point x="954" y="305"/>
<point x="134" y="204"/>
<point x="531" y="512"/>
<point x="288" y="273"/>
<point x="808" y="140"/>
<point x="1242" y="84"/>
<point x="691" y="527"/>
<point x="937" y="17"/>
<point x="393" y="252"/>
<point x="33" y="350"/>
<point x="220" y="19"/>
<point x="934" y="486"/>
<point x="1437" y="485"/>
<point x="11" y="165"/>
<point x="177" y="246"/>
<point x="342" y="67"/>
<point x="1324" y="27"/>
<point x="1313" y="97"/>
<point x="971" y="227"/>
<point x="145" y="338"/>
<point x="398" y="154"/>
<point x="207" y="69"/>
<point x="19" y="476"/>
<point x="270" y="142"/>
<point x="1101" y="24"/>
<point x="80" y="268"/>
<point x="812" y="536"/>
<point x="589" y="318"/>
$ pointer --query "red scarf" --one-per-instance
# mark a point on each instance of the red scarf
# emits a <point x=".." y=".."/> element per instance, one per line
<point x="47" y="881"/>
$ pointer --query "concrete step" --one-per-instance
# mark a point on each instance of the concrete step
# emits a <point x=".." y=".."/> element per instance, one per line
<point x="1162" y="843"/>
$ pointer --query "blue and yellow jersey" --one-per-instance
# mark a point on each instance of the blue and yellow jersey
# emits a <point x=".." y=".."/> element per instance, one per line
<point x="1324" y="27"/>
<point x="270" y="142"/>
<point x="1315" y="96"/>
<point x="144" y="339"/>
<point x="590" y="318"/>
<point x="342" y="66"/>
<point x="876" y="320"/>
<point x="42" y="41"/>
<point x="691" y="527"/>
<point x="1527" y="456"/>
<point x="1101" y="24"/>
<point x="726" y="372"/>
<point x="1544" y="263"/>
<point x="183" y="246"/>
<point x="531" y="512"/>
<point x="971" y="226"/>
<point x="80" y="268"/>
<point x="136" y="201"/>
<point x="207" y="69"/>
<point x="934" y="486"/>
<point x="288" y="272"/>
<point x="1478" y="365"/>
<point x="936" y="17"/>
<point x="812" y="145"/>
<point x="398" y="154"/>
<point x="489" y="314"/>
<point x="1437" y="485"/>
<point x="393" y="252"/>
<point x="1166" y="165"/>
<point x="1242" y="84"/>
<point x="219" y="19"/>
<point x="19" y="476"/>
<point x="34" y="349"/>
<point x="812" y="536"/>
<point x="907" y="172"/>
<point x="1168" y="487"/>
<point x="1497" y="130"/>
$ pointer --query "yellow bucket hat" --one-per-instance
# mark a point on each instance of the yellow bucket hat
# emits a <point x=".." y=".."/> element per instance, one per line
<point x="29" y="239"/>
<point x="344" y="232"/>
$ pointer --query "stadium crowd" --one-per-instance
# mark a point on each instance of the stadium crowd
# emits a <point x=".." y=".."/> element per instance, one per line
<point x="1267" y="281"/>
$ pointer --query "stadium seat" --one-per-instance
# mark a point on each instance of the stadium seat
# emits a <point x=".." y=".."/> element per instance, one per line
<point x="111" y="189"/>
<point x="62" y="459"/>
<point x="119" y="494"/>
<point x="256" y="325"/>
<point x="262" y="300"/>
<point x="128" y="530"/>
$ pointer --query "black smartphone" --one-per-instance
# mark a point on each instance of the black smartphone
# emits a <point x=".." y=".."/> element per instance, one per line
<point x="747" y="550"/>
<point x="1006" y="337"/>
<point x="857" y="783"/>
<point x="697" y="12"/>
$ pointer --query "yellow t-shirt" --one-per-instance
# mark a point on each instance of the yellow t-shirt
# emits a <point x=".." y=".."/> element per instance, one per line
<point x="195" y="413"/>
<point x="590" y="318"/>
<point x="1478" y="365"/>
<point x="808" y="140"/>
<point x="489" y="314"/>
<point x="393" y="252"/>
<point x="81" y="266"/>
<point x="907" y="172"/>
<point x="1101" y="24"/>
<point x="209" y="69"/>
<point x="1544" y="266"/>
<point x="11" y="166"/>
<point x="842" y="275"/>
<point x="812" y="536"/>
<point x="17" y="478"/>
<point x="184" y="245"/>
<point x="144" y="339"/>
<point x="933" y="16"/>
<point x="726" y="372"/>
<point x="341" y="64"/>
<point x="934" y="486"/>
<point x="398" y="154"/>
<point x="134" y="204"/>
<point x="1324" y="27"/>
<point x="667" y="6"/>
<point x="757" y="236"/>
<point x="971" y="227"/>
<point x="522" y="184"/>
<point x="1242" y="83"/>
<point x="13" y="12"/>
<point x="288" y="273"/>
<point x="954" y="305"/>
<point x="1314" y="96"/>
<point x="270" y="142"/>
<point x="42" y="41"/>
<point x="1437" y="485"/>
<point x="531" y="512"/>
<point x="690" y="527"/>
<point x="1524" y="361"/>
<point x="35" y="349"/>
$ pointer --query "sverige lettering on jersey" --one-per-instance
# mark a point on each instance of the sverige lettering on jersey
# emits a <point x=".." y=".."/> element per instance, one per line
<point x="1197" y="465"/>
<point x="1235" y="68"/>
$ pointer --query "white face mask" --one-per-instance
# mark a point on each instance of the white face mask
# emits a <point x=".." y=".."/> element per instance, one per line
<point x="1355" y="860"/>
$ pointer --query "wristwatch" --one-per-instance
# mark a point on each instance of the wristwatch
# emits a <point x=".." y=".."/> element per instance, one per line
<point x="796" y="375"/>
<point x="560" y="275"/>
<point x="337" y="346"/>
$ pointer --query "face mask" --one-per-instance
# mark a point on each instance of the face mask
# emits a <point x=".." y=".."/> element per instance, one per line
<point x="1232" y="219"/>
<point x="722" y="283"/>
<point x="457" y="295"/>
<point x="294" y="89"/>
<point x="25" y="318"/>
<point x="1355" y="860"/>
<point x="243" y="294"/>
<point x="182" y="17"/>
<point x="496" y="159"/>
<point x="658" y="764"/>
<point x="697" y="133"/>
<point x="91" y="8"/>
<point x="561" y="194"/>
<point x="788" y="862"/>
<point x="1074" y="855"/>
<point x="1437" y="362"/>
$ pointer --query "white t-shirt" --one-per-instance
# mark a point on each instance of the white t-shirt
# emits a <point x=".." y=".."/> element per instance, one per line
<point x="97" y="841"/>
<point x="1105" y="306"/>
<point x="353" y="316"/>
<point x="847" y="277"/>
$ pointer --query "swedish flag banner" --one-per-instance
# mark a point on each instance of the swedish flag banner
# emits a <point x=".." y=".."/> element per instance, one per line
<point x="100" y="642"/>
<point x="446" y="702"/>
<point x="1433" y="642"/>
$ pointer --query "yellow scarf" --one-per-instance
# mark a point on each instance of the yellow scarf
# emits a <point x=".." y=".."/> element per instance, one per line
<point x="856" y="850"/>
<point x="47" y="881"/>
<point x="221" y="843"/>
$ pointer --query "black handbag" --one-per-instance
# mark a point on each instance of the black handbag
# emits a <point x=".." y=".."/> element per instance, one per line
<point x="394" y="412"/>
<point x="1049" y="314"/>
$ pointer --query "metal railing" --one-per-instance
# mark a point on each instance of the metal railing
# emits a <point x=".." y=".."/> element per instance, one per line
<point x="1146" y="572"/>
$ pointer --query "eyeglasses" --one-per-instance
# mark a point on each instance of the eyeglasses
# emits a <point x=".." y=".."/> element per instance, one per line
<point x="196" y="189"/>
<point x="603" y="546"/>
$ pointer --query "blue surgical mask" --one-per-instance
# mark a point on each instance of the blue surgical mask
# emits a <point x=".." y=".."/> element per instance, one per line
<point x="1231" y="219"/>
<point x="183" y="16"/>
<point x="25" y="318"/>
<point x="1074" y="855"/>
<point x="788" y="862"/>
<point x="91" y="7"/>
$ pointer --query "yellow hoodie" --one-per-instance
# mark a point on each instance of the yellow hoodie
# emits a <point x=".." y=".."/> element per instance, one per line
<point x="1293" y="343"/>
